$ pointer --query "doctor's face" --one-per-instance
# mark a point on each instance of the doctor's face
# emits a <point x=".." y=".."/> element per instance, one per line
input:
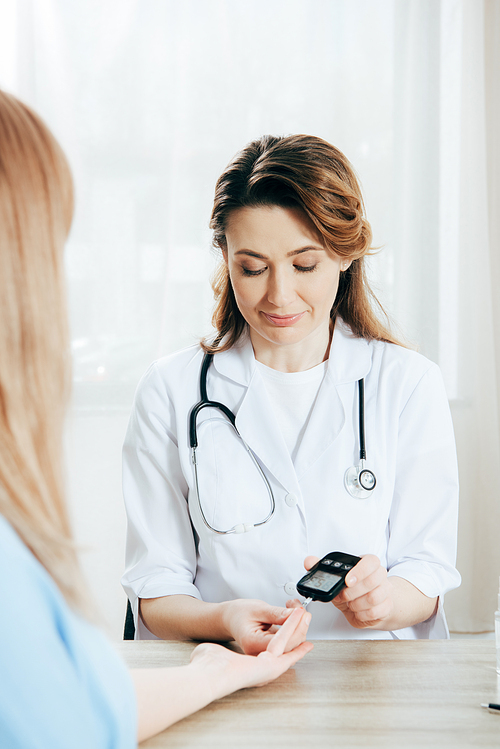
<point x="284" y="281"/>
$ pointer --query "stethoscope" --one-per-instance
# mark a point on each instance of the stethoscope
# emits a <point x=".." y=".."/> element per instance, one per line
<point x="358" y="480"/>
<point x="193" y="441"/>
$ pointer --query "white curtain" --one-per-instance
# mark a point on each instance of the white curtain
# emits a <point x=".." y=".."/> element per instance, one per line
<point x="476" y="409"/>
<point x="151" y="98"/>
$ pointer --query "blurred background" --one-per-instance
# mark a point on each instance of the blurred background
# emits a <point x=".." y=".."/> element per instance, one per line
<point x="150" y="100"/>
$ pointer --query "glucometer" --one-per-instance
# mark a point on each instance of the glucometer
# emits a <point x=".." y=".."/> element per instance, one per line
<point x="327" y="578"/>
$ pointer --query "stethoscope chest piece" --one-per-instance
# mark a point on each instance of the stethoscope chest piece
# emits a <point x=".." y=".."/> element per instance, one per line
<point x="359" y="481"/>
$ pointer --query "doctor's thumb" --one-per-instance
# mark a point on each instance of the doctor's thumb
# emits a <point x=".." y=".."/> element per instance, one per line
<point x="278" y="615"/>
<point x="310" y="561"/>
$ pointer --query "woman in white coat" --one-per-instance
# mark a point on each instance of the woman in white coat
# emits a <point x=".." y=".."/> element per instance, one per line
<point x="216" y="545"/>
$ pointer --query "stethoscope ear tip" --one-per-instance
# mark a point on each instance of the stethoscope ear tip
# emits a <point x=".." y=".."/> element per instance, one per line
<point x="243" y="527"/>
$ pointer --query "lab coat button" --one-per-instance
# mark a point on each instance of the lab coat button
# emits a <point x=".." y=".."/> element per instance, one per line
<point x="291" y="500"/>
<point x="290" y="589"/>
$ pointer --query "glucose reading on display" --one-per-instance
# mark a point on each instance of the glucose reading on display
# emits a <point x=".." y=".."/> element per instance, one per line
<point x="327" y="578"/>
<point x="323" y="581"/>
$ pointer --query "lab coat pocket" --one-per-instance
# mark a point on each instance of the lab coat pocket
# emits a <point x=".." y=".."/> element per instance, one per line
<point x="232" y="490"/>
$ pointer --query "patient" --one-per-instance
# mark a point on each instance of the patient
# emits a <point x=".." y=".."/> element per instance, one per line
<point x="61" y="684"/>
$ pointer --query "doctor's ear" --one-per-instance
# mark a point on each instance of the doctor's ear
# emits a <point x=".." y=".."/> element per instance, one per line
<point x="224" y="254"/>
<point x="344" y="265"/>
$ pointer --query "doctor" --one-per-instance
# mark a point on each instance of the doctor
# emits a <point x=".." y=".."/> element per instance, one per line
<point x="217" y="537"/>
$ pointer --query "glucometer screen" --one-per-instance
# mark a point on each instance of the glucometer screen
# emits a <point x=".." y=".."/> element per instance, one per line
<point x="323" y="581"/>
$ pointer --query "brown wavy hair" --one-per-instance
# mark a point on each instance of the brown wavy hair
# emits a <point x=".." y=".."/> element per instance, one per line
<point x="298" y="171"/>
<point x="36" y="207"/>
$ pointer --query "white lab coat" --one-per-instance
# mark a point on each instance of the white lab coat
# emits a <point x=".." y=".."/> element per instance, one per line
<point x="409" y="521"/>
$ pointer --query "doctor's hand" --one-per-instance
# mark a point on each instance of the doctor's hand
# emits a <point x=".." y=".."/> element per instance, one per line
<point x="368" y="599"/>
<point x="236" y="671"/>
<point x="373" y="600"/>
<point x="253" y="624"/>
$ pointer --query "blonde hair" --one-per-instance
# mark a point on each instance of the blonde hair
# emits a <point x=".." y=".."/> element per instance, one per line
<point x="36" y="206"/>
<point x="298" y="171"/>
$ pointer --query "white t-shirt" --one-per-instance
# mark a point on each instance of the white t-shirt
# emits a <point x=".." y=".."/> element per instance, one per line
<point x="293" y="395"/>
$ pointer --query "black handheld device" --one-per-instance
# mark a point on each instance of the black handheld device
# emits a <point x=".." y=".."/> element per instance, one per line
<point x="327" y="578"/>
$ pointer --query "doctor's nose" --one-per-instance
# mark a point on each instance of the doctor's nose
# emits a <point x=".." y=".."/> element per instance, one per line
<point x="280" y="290"/>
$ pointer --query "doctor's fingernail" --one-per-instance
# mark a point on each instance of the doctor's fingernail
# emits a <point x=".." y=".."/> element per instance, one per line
<point x="351" y="581"/>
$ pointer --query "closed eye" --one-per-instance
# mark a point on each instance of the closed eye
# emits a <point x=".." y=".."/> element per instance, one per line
<point x="298" y="268"/>
<point x="248" y="272"/>
<point x="305" y="268"/>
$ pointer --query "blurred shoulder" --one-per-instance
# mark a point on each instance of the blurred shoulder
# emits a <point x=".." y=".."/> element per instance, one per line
<point x="13" y="551"/>
<point x="25" y="585"/>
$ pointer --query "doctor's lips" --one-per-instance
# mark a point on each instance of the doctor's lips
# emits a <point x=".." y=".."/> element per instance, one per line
<point x="282" y="321"/>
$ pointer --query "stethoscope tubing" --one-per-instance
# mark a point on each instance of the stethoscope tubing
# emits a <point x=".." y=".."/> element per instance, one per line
<point x="361" y="416"/>
<point x="193" y="441"/>
<point x="206" y="403"/>
<point x="351" y="482"/>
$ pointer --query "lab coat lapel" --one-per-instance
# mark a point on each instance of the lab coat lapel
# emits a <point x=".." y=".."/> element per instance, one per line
<point x="325" y="424"/>
<point x="257" y="425"/>
<point x="255" y="418"/>
<point x="350" y="360"/>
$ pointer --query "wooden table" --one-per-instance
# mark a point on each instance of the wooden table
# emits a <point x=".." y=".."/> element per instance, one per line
<point x="349" y="693"/>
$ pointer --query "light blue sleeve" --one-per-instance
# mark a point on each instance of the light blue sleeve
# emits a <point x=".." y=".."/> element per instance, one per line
<point x="61" y="684"/>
